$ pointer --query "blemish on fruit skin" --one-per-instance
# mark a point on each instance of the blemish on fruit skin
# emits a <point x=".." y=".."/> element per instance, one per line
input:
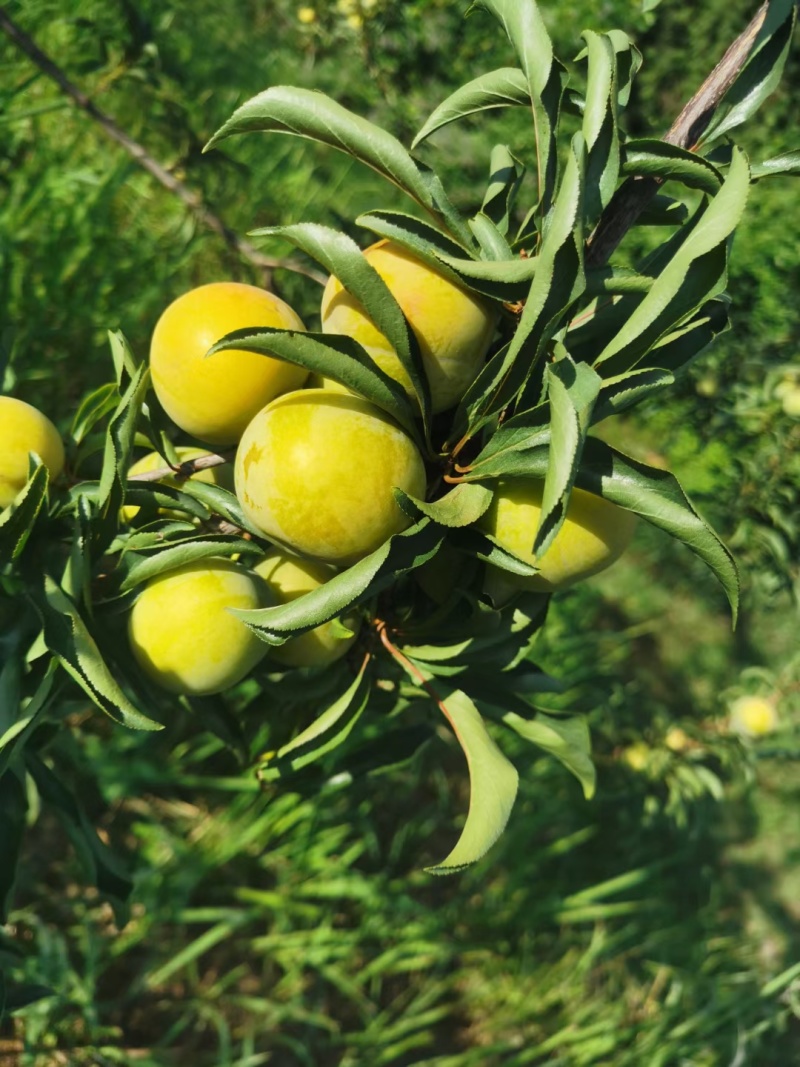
<point x="253" y="455"/>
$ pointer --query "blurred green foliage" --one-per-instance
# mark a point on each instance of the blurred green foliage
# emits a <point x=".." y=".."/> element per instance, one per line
<point x="657" y="924"/>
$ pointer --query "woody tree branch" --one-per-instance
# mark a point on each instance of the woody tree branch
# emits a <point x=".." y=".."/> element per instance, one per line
<point x="633" y="195"/>
<point x="192" y="200"/>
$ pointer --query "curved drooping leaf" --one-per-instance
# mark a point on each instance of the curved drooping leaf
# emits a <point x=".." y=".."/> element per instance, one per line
<point x="572" y="390"/>
<point x="461" y="506"/>
<point x="334" y="356"/>
<point x="484" y="546"/>
<point x="18" y="519"/>
<point x="505" y="176"/>
<point x="16" y="733"/>
<point x="565" y="737"/>
<point x="142" y="568"/>
<point x="760" y="75"/>
<point x="95" y="406"/>
<point x="785" y="163"/>
<point x="526" y="30"/>
<point x="364" y="579"/>
<point x="695" y="273"/>
<point x="491" y="241"/>
<point x="493" y="779"/>
<point x="654" y="494"/>
<point x="119" y="445"/>
<point x="219" y="501"/>
<point x="326" y="733"/>
<point x="557" y="282"/>
<point x="68" y="638"/>
<point x="600" y="130"/>
<point x="505" y="87"/>
<point x="689" y="340"/>
<point x="342" y="257"/>
<point x="651" y="158"/>
<point x="292" y="110"/>
<point x="618" y="394"/>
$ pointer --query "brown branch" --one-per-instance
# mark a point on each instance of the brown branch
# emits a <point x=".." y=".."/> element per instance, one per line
<point x="192" y="199"/>
<point x="634" y="195"/>
<point x="184" y="470"/>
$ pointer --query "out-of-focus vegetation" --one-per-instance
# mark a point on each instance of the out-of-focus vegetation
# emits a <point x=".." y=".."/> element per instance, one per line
<point x="657" y="924"/>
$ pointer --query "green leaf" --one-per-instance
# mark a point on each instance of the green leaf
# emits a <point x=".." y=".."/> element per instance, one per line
<point x="506" y="87"/>
<point x="126" y="365"/>
<point x="461" y="506"/>
<point x="340" y="358"/>
<point x="572" y="390"/>
<point x="663" y="210"/>
<point x="341" y="256"/>
<point x="695" y="273"/>
<point x="493" y="244"/>
<point x="68" y="638"/>
<point x="786" y="163"/>
<point x="143" y="568"/>
<point x="619" y="394"/>
<point x="119" y="446"/>
<point x="526" y="30"/>
<point x="364" y="579"/>
<point x="616" y="280"/>
<point x="566" y="738"/>
<point x="291" y="110"/>
<point x="326" y="733"/>
<point x="92" y="409"/>
<point x="557" y="282"/>
<point x="600" y="123"/>
<point x="683" y="345"/>
<point x="651" y="158"/>
<point x="18" y="519"/>
<point x="493" y="781"/>
<point x="505" y="177"/>
<point x="17" y="733"/>
<point x="219" y="501"/>
<point x="760" y="75"/>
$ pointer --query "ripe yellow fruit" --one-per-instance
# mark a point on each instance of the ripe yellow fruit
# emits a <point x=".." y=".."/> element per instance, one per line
<point x="752" y="716"/>
<point x="287" y="578"/>
<point x="222" y="476"/>
<point x="24" y="429"/>
<point x="214" y="398"/>
<point x="183" y="634"/>
<point x="315" y="471"/>
<point x="452" y="325"/>
<point x="594" y="534"/>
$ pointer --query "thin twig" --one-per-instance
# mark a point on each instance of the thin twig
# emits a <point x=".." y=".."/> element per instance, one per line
<point x="186" y="469"/>
<point x="192" y="199"/>
<point x="634" y="195"/>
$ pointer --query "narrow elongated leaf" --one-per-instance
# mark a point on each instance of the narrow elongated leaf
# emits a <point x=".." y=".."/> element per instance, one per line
<point x="461" y="506"/>
<point x="291" y="110"/>
<point x="506" y="87"/>
<point x="616" y="280"/>
<point x="566" y="738"/>
<point x="482" y="545"/>
<point x="68" y="638"/>
<point x="786" y="163"/>
<point x="20" y="730"/>
<point x="364" y="579"/>
<point x="761" y="74"/>
<point x="326" y="733"/>
<point x="505" y="176"/>
<point x="143" y="568"/>
<point x="125" y="362"/>
<point x="558" y="281"/>
<point x="572" y="389"/>
<point x="600" y="123"/>
<point x="94" y="407"/>
<point x="340" y="358"/>
<point x="618" y="394"/>
<point x="18" y="519"/>
<point x="491" y="241"/>
<point x="341" y="256"/>
<point x="695" y="273"/>
<point x="683" y="345"/>
<point x="526" y="30"/>
<point x="119" y="448"/>
<point x="652" y="158"/>
<point x="493" y="781"/>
